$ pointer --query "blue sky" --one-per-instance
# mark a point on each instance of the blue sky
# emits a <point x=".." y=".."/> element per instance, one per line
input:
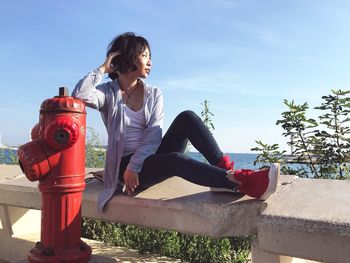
<point x="243" y="56"/>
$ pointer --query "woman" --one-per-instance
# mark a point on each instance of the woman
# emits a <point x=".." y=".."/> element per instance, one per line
<point x="137" y="155"/>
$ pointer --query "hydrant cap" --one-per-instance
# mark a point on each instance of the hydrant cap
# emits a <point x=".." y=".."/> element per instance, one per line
<point x="63" y="103"/>
<point x="62" y="133"/>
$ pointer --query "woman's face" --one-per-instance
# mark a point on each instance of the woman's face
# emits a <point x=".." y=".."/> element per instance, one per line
<point x="144" y="64"/>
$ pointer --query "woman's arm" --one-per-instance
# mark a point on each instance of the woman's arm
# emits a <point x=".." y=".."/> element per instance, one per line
<point x="88" y="88"/>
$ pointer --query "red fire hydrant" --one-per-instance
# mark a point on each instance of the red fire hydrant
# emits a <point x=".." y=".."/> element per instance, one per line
<point x="56" y="157"/>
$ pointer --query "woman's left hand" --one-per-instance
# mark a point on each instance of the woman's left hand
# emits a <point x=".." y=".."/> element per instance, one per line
<point x="131" y="180"/>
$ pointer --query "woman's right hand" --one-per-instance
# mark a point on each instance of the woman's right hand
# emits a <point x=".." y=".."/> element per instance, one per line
<point x="107" y="66"/>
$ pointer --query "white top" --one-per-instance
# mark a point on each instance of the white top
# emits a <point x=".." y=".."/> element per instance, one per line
<point x="135" y="129"/>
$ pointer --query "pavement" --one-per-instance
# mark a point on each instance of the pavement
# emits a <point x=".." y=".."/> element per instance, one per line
<point x="102" y="253"/>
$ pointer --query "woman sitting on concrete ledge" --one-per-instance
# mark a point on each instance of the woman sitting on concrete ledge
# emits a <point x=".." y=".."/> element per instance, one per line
<point x="137" y="155"/>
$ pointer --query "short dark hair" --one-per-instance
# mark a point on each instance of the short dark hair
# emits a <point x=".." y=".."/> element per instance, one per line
<point x="130" y="47"/>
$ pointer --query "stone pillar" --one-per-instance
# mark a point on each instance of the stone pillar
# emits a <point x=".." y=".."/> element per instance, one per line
<point x="262" y="256"/>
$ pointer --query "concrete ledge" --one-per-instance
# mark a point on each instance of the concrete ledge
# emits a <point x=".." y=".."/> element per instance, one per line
<point x="309" y="219"/>
<point x="178" y="205"/>
<point x="174" y="204"/>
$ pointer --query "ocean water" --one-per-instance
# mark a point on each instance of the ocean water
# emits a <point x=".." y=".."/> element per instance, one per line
<point x="242" y="160"/>
<point x="7" y="155"/>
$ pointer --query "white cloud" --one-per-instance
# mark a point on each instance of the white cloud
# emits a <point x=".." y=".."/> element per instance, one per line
<point x="223" y="83"/>
<point x="211" y="83"/>
<point x="337" y="9"/>
<point x="265" y="34"/>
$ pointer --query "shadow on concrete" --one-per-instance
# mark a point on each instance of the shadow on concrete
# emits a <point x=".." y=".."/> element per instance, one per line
<point x="103" y="253"/>
<point x="218" y="198"/>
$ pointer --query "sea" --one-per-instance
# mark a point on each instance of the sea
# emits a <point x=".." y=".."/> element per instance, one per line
<point x="8" y="155"/>
<point x="242" y="160"/>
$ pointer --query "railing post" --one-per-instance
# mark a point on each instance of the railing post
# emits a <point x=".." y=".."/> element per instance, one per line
<point x="19" y="227"/>
<point x="262" y="256"/>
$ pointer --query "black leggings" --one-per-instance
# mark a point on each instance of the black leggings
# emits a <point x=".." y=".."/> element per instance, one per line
<point x="170" y="160"/>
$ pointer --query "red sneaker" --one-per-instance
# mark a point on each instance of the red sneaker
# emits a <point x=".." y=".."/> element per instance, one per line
<point x="259" y="184"/>
<point x="225" y="163"/>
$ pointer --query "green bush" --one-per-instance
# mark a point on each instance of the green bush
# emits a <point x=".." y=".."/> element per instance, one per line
<point x="319" y="149"/>
<point x="95" y="154"/>
<point x="186" y="247"/>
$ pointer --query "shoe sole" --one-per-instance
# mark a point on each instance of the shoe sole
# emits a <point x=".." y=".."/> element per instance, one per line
<point x="222" y="190"/>
<point x="274" y="173"/>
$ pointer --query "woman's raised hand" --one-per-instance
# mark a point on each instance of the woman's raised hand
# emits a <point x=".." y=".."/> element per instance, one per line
<point x="107" y="66"/>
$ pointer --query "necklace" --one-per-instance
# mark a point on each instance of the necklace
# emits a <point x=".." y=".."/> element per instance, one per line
<point x="128" y="95"/>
